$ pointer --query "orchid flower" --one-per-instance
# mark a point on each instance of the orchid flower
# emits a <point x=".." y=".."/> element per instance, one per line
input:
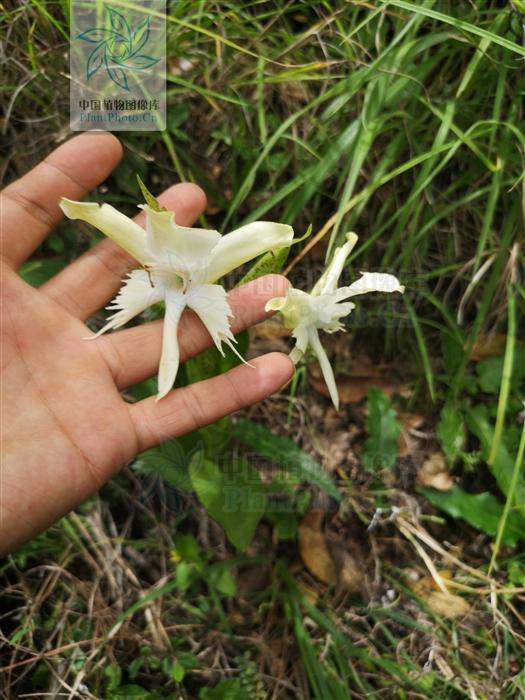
<point x="179" y="266"/>
<point x="325" y="306"/>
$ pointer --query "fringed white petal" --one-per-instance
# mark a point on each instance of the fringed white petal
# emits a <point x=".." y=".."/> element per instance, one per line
<point x="169" y="361"/>
<point x="210" y="303"/>
<point x="327" y="283"/>
<point x="122" y="230"/>
<point x="371" y="282"/>
<point x="326" y="367"/>
<point x="244" y="244"/>
<point x="136" y="295"/>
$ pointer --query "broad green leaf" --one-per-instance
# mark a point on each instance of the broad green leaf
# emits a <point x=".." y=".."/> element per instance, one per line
<point x="223" y="581"/>
<point x="170" y="461"/>
<point x="271" y="262"/>
<point x="285" y="453"/>
<point x="36" y="272"/>
<point x="235" y="499"/>
<point x="481" y="510"/>
<point x="490" y="372"/>
<point x="503" y="465"/>
<point x="210" y="362"/>
<point x="380" y="450"/>
<point x="451" y="432"/>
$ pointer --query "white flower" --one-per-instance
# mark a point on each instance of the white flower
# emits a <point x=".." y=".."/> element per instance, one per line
<point x="323" y="309"/>
<point x="179" y="267"/>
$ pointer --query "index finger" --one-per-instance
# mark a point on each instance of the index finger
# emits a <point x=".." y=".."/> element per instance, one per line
<point x="29" y="205"/>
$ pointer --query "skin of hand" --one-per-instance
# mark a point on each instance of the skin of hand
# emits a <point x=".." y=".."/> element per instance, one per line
<point x="66" y="429"/>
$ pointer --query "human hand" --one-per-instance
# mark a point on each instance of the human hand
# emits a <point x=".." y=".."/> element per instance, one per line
<point x="66" y="429"/>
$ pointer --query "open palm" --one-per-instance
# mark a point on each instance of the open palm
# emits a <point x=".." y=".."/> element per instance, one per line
<point x="65" y="427"/>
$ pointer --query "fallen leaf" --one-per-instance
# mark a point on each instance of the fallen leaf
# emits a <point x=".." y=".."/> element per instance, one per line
<point x="488" y="345"/>
<point x="354" y="389"/>
<point x="447" y="605"/>
<point x="350" y="574"/>
<point x="406" y="443"/>
<point x="434" y="473"/>
<point x="444" y="604"/>
<point x="313" y="548"/>
<point x="255" y="578"/>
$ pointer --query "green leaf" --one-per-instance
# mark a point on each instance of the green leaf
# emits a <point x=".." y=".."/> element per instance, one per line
<point x="489" y="373"/>
<point x="185" y="574"/>
<point x="170" y="461"/>
<point x="380" y="450"/>
<point x="236" y="499"/>
<point x="285" y="453"/>
<point x="451" y="432"/>
<point x="188" y="548"/>
<point x="36" y="272"/>
<point x="210" y="362"/>
<point x="481" y="510"/>
<point x="229" y="689"/>
<point x="452" y="351"/>
<point x="503" y="465"/>
<point x="286" y="524"/>
<point x="223" y="581"/>
<point x="113" y="673"/>
<point x="178" y="672"/>
<point x="270" y="263"/>
<point x="150" y="200"/>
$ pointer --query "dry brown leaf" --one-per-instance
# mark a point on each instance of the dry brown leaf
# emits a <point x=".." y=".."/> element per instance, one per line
<point x="434" y="473"/>
<point x="350" y="574"/>
<point x="255" y="578"/>
<point x="407" y="444"/>
<point x="488" y="345"/>
<point x="354" y="389"/>
<point x="313" y="548"/>
<point x="310" y="593"/>
<point x="447" y="605"/>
